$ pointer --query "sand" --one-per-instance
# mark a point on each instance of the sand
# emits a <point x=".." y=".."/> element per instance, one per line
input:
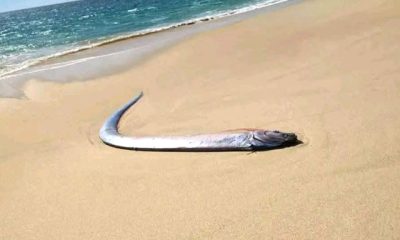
<point x="327" y="70"/>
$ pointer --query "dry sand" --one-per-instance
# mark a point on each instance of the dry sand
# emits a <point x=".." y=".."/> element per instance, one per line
<point x="327" y="70"/>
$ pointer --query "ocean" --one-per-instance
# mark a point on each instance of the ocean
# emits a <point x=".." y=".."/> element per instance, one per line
<point x="32" y="36"/>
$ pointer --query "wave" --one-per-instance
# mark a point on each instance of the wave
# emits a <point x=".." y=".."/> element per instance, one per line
<point x="9" y="70"/>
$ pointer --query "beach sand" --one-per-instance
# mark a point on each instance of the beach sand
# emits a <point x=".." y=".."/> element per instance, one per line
<point x="326" y="70"/>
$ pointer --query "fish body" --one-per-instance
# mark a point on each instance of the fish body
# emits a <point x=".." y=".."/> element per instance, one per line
<point x="244" y="140"/>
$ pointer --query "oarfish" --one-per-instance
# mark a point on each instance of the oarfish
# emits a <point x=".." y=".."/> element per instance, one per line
<point x="241" y="140"/>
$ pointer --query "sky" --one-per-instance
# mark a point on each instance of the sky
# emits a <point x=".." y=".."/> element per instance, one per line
<point x="10" y="5"/>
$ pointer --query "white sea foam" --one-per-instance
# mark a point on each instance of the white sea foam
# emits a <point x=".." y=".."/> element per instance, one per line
<point x="84" y="17"/>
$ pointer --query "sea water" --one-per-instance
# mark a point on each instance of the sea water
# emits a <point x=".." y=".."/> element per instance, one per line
<point x="31" y="36"/>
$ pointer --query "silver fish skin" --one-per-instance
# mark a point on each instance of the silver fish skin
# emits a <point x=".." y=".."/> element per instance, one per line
<point x="245" y="140"/>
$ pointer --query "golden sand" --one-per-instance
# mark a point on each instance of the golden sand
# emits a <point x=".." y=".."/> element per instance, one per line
<point x="327" y="70"/>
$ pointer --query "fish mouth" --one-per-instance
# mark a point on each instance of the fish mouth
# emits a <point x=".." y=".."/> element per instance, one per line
<point x="289" y="140"/>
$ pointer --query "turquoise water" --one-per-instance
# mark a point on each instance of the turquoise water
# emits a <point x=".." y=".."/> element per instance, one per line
<point x="30" y="36"/>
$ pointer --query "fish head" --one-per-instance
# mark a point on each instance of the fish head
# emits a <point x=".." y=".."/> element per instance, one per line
<point x="264" y="139"/>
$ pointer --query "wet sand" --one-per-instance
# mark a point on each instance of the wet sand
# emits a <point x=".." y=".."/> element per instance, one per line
<point x="328" y="71"/>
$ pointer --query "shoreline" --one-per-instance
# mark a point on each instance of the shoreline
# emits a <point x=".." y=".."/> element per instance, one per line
<point x="124" y="52"/>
